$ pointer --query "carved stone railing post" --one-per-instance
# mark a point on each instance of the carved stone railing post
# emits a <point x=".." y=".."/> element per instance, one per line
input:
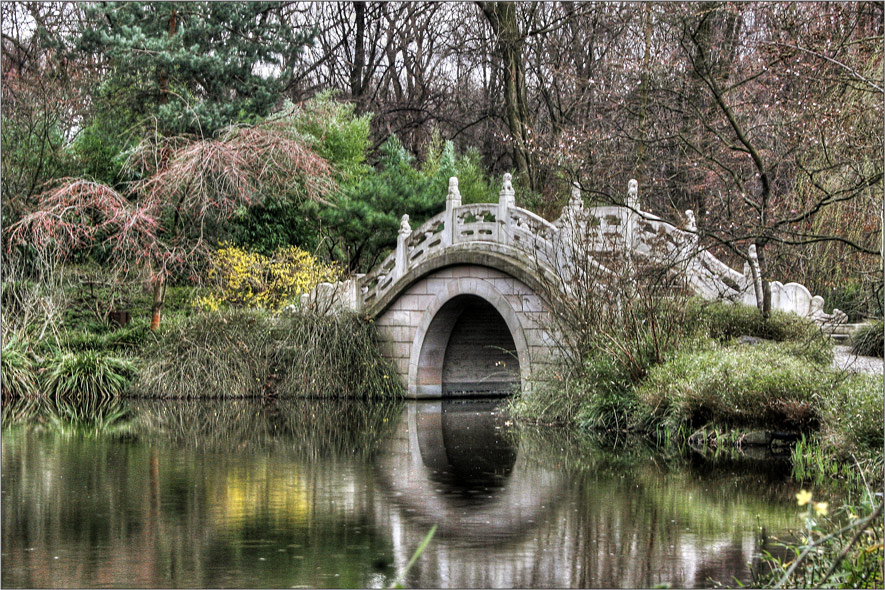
<point x="506" y="200"/>
<point x="691" y="227"/>
<point x="402" y="248"/>
<point x="453" y="199"/>
<point x="576" y="203"/>
<point x="632" y="214"/>
<point x="757" y="275"/>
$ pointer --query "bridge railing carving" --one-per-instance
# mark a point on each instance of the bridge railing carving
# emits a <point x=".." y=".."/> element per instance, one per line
<point x="553" y="245"/>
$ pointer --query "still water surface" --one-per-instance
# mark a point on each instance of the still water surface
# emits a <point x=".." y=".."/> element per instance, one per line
<point x="333" y="494"/>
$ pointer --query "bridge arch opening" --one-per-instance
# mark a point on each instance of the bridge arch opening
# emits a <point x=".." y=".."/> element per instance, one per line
<point x="468" y="349"/>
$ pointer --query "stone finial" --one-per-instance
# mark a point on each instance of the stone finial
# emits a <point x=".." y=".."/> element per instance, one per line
<point x="633" y="194"/>
<point x="575" y="201"/>
<point x="401" y="260"/>
<point x="692" y="224"/>
<point x="507" y="193"/>
<point x="454" y="194"/>
<point x="757" y="275"/>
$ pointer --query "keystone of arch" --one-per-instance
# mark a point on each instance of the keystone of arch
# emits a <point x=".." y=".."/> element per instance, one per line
<point x="479" y="288"/>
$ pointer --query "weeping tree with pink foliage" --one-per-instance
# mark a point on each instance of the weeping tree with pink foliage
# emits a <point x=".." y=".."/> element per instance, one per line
<point x="161" y="225"/>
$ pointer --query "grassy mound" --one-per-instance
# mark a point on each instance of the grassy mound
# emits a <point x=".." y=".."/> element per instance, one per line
<point x="726" y="321"/>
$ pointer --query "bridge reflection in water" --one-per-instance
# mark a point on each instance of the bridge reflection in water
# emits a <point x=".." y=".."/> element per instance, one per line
<point x="508" y="520"/>
<point x="330" y="494"/>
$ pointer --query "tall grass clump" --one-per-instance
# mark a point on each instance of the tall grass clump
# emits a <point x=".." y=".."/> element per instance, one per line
<point x="87" y="375"/>
<point x="869" y="339"/>
<point x="209" y="355"/>
<point x="853" y="410"/>
<point x="244" y="353"/>
<point x="757" y="386"/>
<point x="17" y="370"/>
<point x="330" y="355"/>
<point x="725" y="321"/>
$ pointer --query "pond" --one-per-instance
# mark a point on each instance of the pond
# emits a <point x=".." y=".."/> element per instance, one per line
<point x="335" y="494"/>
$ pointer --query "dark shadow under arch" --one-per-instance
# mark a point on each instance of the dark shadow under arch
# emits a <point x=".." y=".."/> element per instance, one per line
<point x="468" y="350"/>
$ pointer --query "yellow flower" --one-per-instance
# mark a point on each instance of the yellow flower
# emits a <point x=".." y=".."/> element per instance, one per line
<point x="803" y="498"/>
<point x="821" y="508"/>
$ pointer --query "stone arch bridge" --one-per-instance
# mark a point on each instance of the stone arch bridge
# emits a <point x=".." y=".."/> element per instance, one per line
<point x="462" y="306"/>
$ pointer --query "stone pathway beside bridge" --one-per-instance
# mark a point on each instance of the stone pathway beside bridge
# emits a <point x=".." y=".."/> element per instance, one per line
<point x="844" y="359"/>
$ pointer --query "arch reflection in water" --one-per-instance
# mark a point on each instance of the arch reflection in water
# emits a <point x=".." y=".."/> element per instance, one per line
<point x="453" y="463"/>
<point x="466" y="449"/>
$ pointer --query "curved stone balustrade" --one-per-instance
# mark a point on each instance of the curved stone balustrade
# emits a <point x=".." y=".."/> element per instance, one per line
<point x="538" y="245"/>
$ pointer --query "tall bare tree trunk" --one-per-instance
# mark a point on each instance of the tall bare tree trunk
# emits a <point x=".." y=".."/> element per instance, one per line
<point x="502" y="18"/>
<point x="357" y="89"/>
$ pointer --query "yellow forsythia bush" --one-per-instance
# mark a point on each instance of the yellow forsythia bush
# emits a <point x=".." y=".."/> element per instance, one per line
<point x="242" y="278"/>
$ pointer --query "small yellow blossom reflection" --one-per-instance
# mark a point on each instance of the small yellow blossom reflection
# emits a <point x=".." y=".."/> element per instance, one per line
<point x="821" y="508"/>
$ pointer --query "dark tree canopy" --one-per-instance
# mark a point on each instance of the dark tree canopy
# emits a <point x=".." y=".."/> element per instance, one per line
<point x="195" y="66"/>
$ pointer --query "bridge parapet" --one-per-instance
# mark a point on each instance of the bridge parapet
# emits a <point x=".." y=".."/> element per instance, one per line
<point x="536" y="243"/>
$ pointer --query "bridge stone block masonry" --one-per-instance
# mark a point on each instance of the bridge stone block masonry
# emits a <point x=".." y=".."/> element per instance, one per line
<point x="460" y="304"/>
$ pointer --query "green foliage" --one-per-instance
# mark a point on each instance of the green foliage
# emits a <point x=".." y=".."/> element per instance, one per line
<point x="131" y="337"/>
<point x="838" y="548"/>
<point x="87" y="375"/>
<point x="100" y="149"/>
<point x="33" y="153"/>
<point x="442" y="162"/>
<point x="853" y="410"/>
<point x="338" y="134"/>
<point x="276" y="223"/>
<point x="724" y="321"/>
<point x="857" y="298"/>
<point x="240" y="353"/>
<point x="17" y="370"/>
<point x="192" y="65"/>
<point x="366" y="216"/>
<point x="342" y="138"/>
<point x="361" y="224"/>
<point x="869" y="339"/>
<point x="765" y="385"/>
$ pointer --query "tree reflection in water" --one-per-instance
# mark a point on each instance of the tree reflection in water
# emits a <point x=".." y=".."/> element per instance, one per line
<point x="335" y="494"/>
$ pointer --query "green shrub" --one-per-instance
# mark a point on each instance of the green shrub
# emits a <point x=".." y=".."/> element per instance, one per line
<point x="241" y="353"/>
<point x="853" y="414"/>
<point x="87" y="374"/>
<point x="554" y="399"/>
<point x="725" y="321"/>
<point x="762" y="385"/>
<point x="610" y="400"/>
<point x="868" y="340"/>
<point x="18" y="370"/>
